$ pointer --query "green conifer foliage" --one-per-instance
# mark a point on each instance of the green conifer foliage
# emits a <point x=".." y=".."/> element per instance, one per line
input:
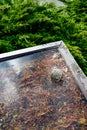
<point x="25" y="23"/>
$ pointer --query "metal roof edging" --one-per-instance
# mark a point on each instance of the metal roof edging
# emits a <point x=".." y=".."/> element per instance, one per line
<point x="26" y="51"/>
<point x="76" y="71"/>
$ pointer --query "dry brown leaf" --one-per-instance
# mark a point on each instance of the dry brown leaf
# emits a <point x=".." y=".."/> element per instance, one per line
<point x="82" y="120"/>
<point x="60" y="121"/>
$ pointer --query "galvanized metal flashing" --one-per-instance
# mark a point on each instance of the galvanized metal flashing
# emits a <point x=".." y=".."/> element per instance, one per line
<point x="76" y="71"/>
<point x="27" y="51"/>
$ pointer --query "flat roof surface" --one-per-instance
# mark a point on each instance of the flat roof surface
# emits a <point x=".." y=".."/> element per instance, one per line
<point x="30" y="100"/>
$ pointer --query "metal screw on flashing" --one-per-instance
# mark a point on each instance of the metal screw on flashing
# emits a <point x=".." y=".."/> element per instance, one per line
<point x="56" y="74"/>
